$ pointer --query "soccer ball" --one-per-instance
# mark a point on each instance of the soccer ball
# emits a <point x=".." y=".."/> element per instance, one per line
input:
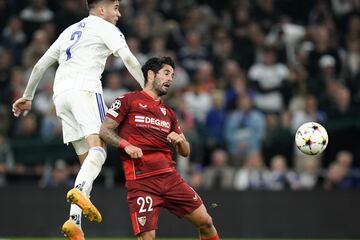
<point x="311" y="138"/>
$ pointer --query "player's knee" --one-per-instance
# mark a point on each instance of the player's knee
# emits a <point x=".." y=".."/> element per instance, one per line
<point x="99" y="154"/>
<point x="95" y="160"/>
<point x="149" y="238"/>
<point x="81" y="147"/>
<point x="94" y="140"/>
<point x="206" y="224"/>
<point x="147" y="235"/>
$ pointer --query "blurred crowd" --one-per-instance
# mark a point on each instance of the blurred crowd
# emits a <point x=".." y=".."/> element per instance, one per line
<point x="248" y="74"/>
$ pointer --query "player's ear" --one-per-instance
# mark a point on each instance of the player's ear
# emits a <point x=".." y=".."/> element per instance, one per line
<point x="101" y="9"/>
<point x="150" y="75"/>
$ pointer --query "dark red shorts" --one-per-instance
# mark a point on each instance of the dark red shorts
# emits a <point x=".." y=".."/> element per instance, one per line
<point x="146" y="197"/>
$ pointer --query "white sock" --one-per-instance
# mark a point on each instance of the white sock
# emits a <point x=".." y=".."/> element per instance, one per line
<point x="75" y="214"/>
<point x="90" y="169"/>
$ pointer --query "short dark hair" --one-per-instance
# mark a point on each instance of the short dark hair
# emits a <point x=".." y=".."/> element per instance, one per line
<point x="92" y="3"/>
<point x="155" y="64"/>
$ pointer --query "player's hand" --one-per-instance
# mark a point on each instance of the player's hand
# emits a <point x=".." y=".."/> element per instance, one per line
<point x="175" y="138"/>
<point x="21" y="106"/>
<point x="134" y="152"/>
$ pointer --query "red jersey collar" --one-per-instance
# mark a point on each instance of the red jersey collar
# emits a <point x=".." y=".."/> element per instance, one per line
<point x="150" y="97"/>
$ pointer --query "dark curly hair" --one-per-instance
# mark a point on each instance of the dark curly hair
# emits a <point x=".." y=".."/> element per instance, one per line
<point x="155" y="64"/>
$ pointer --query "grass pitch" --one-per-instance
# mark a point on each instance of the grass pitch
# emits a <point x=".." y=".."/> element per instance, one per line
<point x="50" y="238"/>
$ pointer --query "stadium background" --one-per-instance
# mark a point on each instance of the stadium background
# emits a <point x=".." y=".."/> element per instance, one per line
<point x="248" y="74"/>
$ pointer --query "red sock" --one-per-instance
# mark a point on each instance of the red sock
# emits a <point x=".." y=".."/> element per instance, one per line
<point x="216" y="237"/>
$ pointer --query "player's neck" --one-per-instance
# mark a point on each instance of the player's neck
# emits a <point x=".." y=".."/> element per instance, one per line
<point x="96" y="13"/>
<point x="151" y="94"/>
<point x="93" y="13"/>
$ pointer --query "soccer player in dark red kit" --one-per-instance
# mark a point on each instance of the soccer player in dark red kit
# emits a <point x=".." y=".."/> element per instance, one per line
<point x="149" y="131"/>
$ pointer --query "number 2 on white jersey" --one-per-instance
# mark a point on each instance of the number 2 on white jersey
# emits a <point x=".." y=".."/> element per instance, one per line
<point x="77" y="35"/>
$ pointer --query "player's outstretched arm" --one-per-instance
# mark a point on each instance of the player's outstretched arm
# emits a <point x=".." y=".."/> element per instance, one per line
<point x="109" y="135"/>
<point x="132" y="65"/>
<point x="182" y="146"/>
<point x="23" y="104"/>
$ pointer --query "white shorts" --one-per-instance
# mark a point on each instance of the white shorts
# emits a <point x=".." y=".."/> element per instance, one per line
<point x="81" y="113"/>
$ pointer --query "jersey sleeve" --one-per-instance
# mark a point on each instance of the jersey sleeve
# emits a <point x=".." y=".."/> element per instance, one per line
<point x="113" y="38"/>
<point x="49" y="58"/>
<point x="54" y="50"/>
<point x="119" y="109"/>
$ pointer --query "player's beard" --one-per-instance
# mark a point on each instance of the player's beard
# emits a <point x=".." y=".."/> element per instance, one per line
<point x="159" y="88"/>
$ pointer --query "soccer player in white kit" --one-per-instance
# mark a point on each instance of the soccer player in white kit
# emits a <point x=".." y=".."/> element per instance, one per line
<point x="81" y="51"/>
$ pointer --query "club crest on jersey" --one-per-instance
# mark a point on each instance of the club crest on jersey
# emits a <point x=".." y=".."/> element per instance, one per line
<point x="143" y="106"/>
<point x="142" y="220"/>
<point x="163" y="110"/>
<point x="116" y="105"/>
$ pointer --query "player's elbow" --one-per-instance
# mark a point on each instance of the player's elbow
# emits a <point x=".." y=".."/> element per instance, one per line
<point x="131" y="62"/>
<point x="37" y="68"/>
<point x="183" y="149"/>
<point x="185" y="152"/>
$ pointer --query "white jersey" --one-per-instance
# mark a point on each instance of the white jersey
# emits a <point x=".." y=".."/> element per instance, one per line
<point x="81" y="51"/>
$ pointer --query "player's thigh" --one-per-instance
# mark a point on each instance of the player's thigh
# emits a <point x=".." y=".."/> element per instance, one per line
<point x="144" y="204"/>
<point x="94" y="140"/>
<point x="81" y="148"/>
<point x="70" y="127"/>
<point x="89" y="111"/>
<point x="180" y="198"/>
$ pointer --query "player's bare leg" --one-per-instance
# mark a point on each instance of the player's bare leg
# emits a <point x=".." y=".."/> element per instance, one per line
<point x="202" y="220"/>
<point x="150" y="235"/>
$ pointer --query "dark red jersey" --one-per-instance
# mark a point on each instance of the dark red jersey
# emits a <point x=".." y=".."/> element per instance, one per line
<point x="145" y="123"/>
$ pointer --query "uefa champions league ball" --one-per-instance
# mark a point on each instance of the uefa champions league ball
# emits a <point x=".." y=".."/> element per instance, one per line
<point x="311" y="138"/>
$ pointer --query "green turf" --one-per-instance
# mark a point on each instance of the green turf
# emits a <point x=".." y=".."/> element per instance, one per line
<point x="164" y="239"/>
<point x="157" y="238"/>
<point x="123" y="239"/>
